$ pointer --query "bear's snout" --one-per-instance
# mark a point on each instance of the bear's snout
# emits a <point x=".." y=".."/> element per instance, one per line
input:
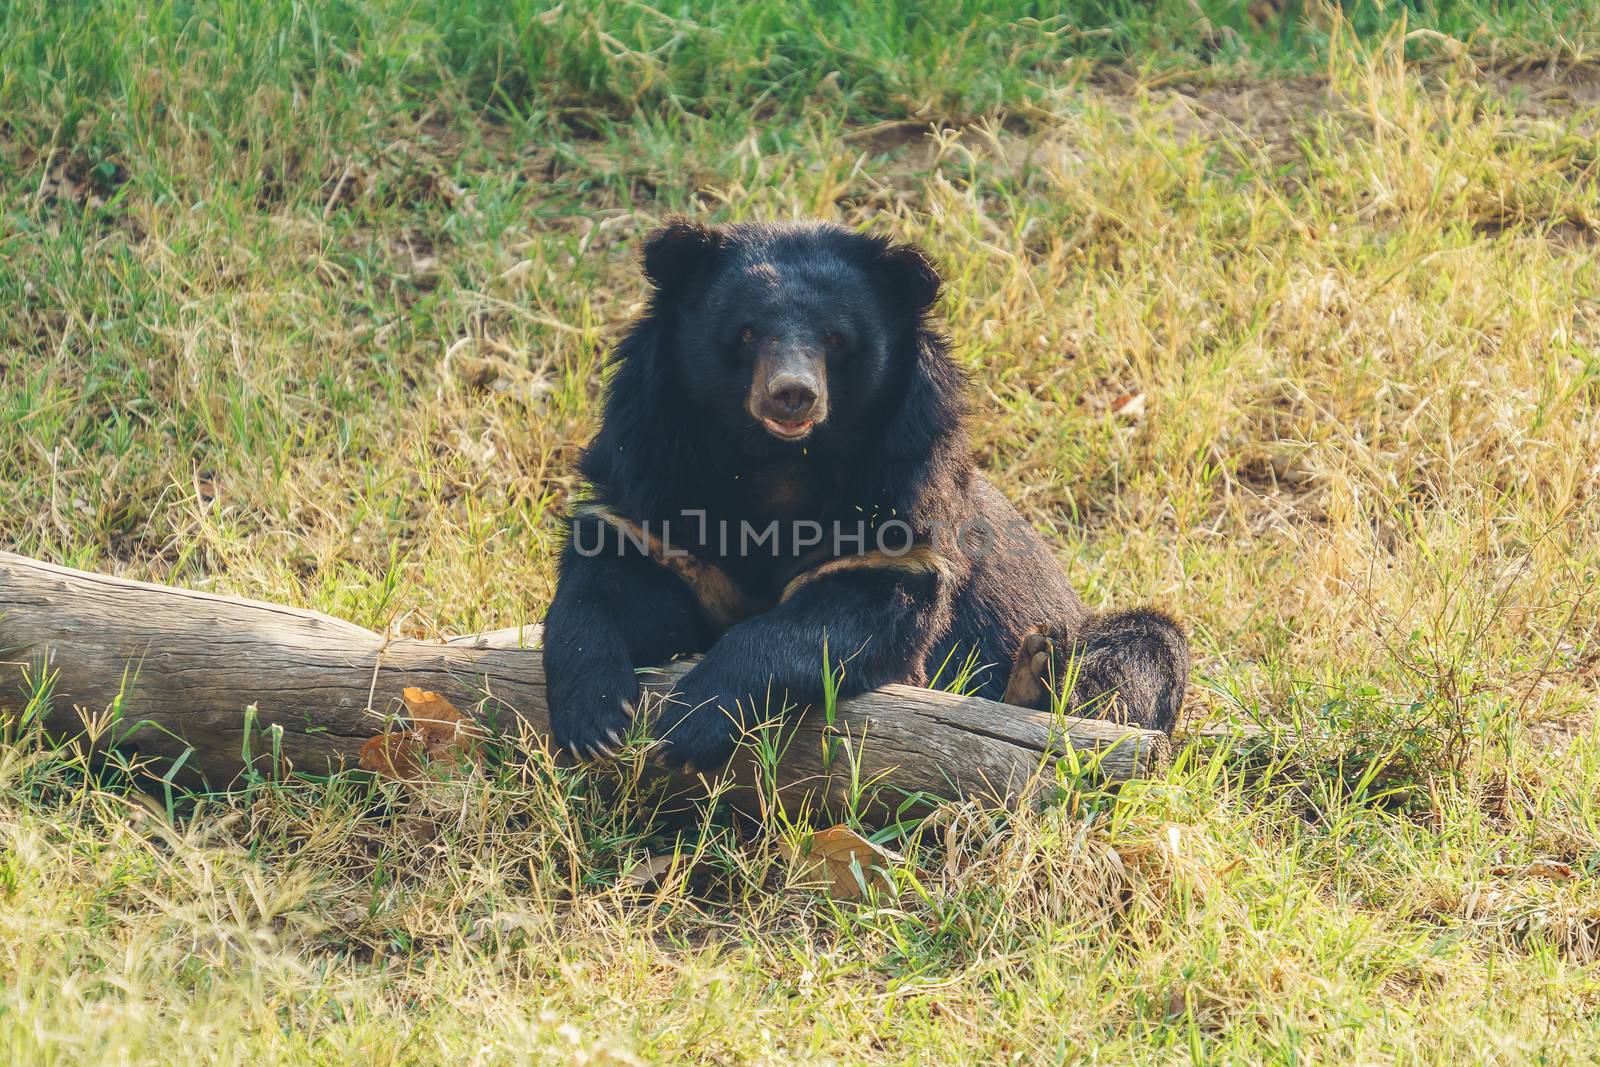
<point x="789" y="392"/>
<point x="793" y="396"/>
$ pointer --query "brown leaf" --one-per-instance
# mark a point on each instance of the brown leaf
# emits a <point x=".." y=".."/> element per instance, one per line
<point x="1129" y="406"/>
<point x="833" y="858"/>
<point x="445" y="732"/>
<point x="437" y="731"/>
<point x="1554" y="870"/>
<point x="393" y="755"/>
<point x="419" y="829"/>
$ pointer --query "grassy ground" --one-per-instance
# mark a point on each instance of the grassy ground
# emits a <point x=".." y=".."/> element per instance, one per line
<point x="308" y="302"/>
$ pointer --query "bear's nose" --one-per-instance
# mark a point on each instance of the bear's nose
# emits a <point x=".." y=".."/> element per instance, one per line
<point x="793" y="395"/>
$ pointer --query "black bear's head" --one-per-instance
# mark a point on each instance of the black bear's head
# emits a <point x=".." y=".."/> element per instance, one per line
<point x="782" y="334"/>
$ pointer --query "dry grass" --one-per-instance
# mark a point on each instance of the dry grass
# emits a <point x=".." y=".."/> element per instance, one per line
<point x="345" y="362"/>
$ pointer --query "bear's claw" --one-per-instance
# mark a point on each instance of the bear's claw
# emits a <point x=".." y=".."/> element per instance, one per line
<point x="1031" y="668"/>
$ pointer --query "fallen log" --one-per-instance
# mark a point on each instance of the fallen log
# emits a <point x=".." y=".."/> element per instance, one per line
<point x="179" y="668"/>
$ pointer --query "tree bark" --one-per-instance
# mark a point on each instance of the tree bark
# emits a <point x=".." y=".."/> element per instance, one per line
<point x="178" y="670"/>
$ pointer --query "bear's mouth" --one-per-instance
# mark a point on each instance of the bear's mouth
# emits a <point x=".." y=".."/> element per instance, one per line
<point x="789" y="431"/>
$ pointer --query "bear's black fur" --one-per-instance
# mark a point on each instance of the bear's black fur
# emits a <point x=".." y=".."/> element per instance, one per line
<point x="784" y="381"/>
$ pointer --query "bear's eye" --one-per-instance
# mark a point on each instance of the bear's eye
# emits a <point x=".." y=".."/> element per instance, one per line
<point x="833" y="339"/>
<point x="747" y="335"/>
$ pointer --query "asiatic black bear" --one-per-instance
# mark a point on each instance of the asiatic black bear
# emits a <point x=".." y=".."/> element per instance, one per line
<point x="782" y="476"/>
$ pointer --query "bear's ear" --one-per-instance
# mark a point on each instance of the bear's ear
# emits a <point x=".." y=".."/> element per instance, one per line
<point x="679" y="250"/>
<point x="911" y="275"/>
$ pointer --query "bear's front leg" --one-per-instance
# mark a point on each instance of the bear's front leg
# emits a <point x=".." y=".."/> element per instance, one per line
<point x="614" y="609"/>
<point x="874" y="622"/>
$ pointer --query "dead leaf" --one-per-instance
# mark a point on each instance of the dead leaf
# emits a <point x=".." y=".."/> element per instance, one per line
<point x="442" y="728"/>
<point x="649" y="871"/>
<point x="418" y="829"/>
<point x="393" y="755"/>
<point x="484" y="364"/>
<point x="1554" y="870"/>
<point x="475" y="372"/>
<point x="437" y="734"/>
<point x="833" y="858"/>
<point x="1129" y="406"/>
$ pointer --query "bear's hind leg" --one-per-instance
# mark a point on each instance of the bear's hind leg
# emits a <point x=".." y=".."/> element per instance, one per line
<point x="1130" y="666"/>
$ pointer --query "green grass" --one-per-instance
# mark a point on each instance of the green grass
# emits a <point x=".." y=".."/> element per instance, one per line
<point x="307" y="302"/>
